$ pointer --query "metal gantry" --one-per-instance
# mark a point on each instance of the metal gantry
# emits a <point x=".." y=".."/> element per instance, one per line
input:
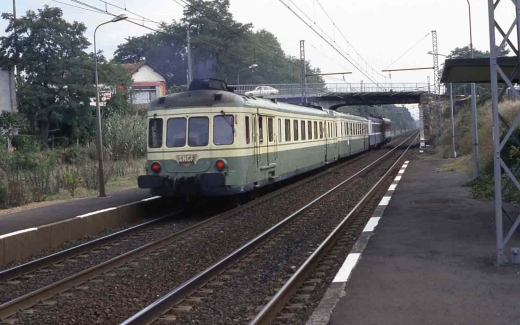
<point x="304" y="72"/>
<point x="501" y="170"/>
<point x="437" y="86"/>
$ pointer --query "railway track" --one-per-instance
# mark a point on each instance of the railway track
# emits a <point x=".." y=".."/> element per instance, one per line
<point x="41" y="298"/>
<point x="173" y="307"/>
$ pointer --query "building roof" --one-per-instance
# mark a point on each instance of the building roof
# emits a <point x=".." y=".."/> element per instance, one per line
<point x="132" y="68"/>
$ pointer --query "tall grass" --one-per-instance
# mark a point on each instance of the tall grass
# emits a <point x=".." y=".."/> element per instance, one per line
<point x="483" y="187"/>
<point x="28" y="175"/>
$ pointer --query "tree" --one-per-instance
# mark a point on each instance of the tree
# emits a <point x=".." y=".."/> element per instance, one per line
<point x="220" y="46"/>
<point x="55" y="82"/>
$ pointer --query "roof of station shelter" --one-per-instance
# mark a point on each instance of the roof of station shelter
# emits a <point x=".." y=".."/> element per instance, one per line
<point x="476" y="70"/>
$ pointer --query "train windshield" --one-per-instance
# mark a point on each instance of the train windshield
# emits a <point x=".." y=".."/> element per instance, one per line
<point x="198" y="131"/>
<point x="176" y="133"/>
<point x="223" y="129"/>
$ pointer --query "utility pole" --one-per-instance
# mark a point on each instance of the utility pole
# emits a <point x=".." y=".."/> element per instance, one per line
<point x="304" y="72"/>
<point x="474" y="121"/>
<point x="190" y="67"/>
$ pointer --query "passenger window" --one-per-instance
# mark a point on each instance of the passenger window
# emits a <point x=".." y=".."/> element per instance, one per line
<point x="176" y="132"/>
<point x="315" y="130"/>
<point x="341" y="128"/>
<point x="295" y="122"/>
<point x="223" y="132"/>
<point x="303" y="130"/>
<point x="155" y="132"/>
<point x="248" y="134"/>
<point x="309" y="129"/>
<point x="321" y="130"/>
<point x="287" y="130"/>
<point x="261" y="129"/>
<point x="270" y="131"/>
<point x="198" y="128"/>
<point x="279" y="136"/>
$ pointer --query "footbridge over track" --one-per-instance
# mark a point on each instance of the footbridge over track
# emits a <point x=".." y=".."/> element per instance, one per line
<point x="333" y="96"/>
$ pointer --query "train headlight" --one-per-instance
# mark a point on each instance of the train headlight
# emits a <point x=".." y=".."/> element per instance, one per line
<point x="156" y="167"/>
<point x="220" y="165"/>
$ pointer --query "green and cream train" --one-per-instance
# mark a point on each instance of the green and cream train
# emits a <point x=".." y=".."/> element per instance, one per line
<point x="210" y="141"/>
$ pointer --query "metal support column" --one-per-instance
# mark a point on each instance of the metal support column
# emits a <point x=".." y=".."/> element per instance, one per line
<point x="436" y="86"/>
<point x="304" y="72"/>
<point x="421" y="122"/>
<point x="454" y="153"/>
<point x="500" y="167"/>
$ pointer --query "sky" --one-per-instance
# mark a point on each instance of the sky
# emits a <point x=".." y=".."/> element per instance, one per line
<point x="380" y="31"/>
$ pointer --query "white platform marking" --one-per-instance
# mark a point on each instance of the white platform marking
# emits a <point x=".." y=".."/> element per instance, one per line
<point x="371" y="224"/>
<point x="347" y="267"/>
<point x="385" y="200"/>
<point x="95" y="212"/>
<point x="17" y="232"/>
<point x="151" y="198"/>
<point x="397" y="178"/>
<point x="392" y="187"/>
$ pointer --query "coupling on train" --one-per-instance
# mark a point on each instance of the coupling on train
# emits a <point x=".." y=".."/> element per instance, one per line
<point x="211" y="141"/>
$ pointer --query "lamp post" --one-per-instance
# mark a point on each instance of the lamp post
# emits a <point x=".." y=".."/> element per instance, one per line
<point x="99" y="138"/>
<point x="252" y="66"/>
<point x="474" y="131"/>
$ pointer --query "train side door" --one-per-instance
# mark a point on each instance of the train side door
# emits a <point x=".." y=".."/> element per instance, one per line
<point x="260" y="140"/>
<point x="271" y="140"/>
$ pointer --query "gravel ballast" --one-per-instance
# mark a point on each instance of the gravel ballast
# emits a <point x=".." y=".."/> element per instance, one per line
<point x="112" y="298"/>
<point x="260" y="277"/>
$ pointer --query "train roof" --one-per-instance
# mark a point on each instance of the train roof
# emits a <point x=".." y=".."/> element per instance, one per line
<point x="222" y="98"/>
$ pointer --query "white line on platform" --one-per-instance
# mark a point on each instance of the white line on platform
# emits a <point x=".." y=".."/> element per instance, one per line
<point x="406" y="162"/>
<point x="385" y="200"/>
<point x="392" y="187"/>
<point x="95" y="212"/>
<point x="151" y="198"/>
<point x="17" y="232"/>
<point x="347" y="267"/>
<point x="371" y="224"/>
<point x="397" y="178"/>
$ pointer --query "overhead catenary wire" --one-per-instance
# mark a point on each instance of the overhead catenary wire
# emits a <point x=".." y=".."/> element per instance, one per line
<point x="179" y="37"/>
<point x="330" y="44"/>
<point x="345" y="38"/>
<point x="91" y="10"/>
<point x="327" y="56"/>
<point x="407" y="51"/>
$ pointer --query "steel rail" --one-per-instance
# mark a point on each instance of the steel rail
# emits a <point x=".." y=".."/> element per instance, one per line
<point x="10" y="308"/>
<point x="282" y="297"/>
<point x="165" y="303"/>
<point x="42" y="262"/>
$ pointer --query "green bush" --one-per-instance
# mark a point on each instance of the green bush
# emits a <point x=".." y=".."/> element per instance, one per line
<point x="124" y="137"/>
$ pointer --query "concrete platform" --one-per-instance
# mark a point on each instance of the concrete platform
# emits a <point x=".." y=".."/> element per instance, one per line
<point x="431" y="260"/>
<point x="62" y="211"/>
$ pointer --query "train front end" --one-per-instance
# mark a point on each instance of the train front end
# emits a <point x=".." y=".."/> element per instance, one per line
<point x="191" y="141"/>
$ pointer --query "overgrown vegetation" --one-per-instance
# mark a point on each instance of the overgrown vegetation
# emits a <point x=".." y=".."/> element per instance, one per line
<point x="32" y="175"/>
<point x="483" y="187"/>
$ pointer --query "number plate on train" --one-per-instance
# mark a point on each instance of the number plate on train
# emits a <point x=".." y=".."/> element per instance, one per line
<point x="186" y="159"/>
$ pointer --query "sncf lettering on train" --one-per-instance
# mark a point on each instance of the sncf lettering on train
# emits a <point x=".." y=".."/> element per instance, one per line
<point x="186" y="159"/>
